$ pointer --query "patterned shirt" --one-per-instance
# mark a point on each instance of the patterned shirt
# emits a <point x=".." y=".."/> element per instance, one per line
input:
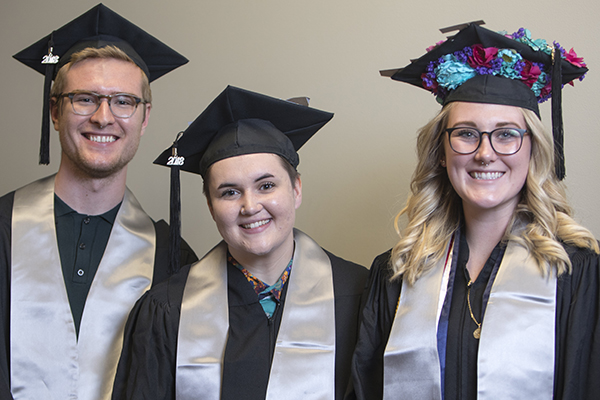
<point x="268" y="296"/>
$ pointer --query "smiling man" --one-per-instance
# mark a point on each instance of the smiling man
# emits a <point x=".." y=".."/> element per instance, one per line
<point x="76" y="248"/>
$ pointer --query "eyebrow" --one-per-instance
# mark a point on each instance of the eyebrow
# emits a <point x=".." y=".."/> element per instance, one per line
<point x="227" y="184"/>
<point x="474" y="125"/>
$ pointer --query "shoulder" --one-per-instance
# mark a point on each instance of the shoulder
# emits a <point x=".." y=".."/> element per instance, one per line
<point x="584" y="279"/>
<point x="584" y="261"/>
<point x="6" y="205"/>
<point x="383" y="292"/>
<point x="167" y="294"/>
<point x="161" y="228"/>
<point x="348" y="277"/>
<point x="381" y="269"/>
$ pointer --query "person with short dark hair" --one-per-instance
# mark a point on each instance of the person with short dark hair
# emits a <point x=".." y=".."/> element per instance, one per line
<point x="267" y="313"/>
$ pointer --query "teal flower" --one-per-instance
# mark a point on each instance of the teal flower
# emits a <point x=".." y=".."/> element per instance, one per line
<point x="510" y="63"/>
<point x="452" y="73"/>
<point x="539" y="84"/>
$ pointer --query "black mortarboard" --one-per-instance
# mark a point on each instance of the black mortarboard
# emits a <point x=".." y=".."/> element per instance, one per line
<point x="479" y="65"/>
<point x="98" y="27"/>
<point x="237" y="122"/>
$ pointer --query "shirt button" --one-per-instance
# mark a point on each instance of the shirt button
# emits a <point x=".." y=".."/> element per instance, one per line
<point x="80" y="272"/>
<point x="86" y="220"/>
<point x="82" y="246"/>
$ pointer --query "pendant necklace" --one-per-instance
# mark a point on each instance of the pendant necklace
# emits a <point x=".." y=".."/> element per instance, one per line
<point x="476" y="332"/>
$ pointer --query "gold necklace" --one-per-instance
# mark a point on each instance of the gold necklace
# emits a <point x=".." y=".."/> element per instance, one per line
<point x="476" y="332"/>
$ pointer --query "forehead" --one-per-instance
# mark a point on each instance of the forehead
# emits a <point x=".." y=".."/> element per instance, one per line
<point x="485" y="116"/>
<point x="105" y="75"/>
<point x="247" y="167"/>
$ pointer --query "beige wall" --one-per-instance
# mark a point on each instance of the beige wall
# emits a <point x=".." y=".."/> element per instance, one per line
<point x="356" y="171"/>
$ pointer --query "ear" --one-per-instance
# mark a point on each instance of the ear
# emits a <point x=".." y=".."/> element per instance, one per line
<point x="443" y="162"/>
<point x="298" y="192"/>
<point x="147" y="108"/>
<point x="210" y="207"/>
<point x="55" y="112"/>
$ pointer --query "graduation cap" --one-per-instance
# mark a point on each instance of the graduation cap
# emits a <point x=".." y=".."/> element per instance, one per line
<point x="96" y="28"/>
<point x="237" y="122"/>
<point x="482" y="66"/>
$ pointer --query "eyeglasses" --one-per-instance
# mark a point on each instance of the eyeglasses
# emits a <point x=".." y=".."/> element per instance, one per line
<point x="504" y="141"/>
<point x="122" y="105"/>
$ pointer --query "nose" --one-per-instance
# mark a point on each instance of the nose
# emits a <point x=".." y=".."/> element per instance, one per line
<point x="250" y="205"/>
<point x="103" y="115"/>
<point x="485" y="153"/>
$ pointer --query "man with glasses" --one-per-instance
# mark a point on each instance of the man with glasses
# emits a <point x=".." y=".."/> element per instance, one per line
<point x="76" y="248"/>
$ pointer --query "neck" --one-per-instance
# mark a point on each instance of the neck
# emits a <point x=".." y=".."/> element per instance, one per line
<point x="483" y="231"/>
<point x="87" y="195"/>
<point x="268" y="268"/>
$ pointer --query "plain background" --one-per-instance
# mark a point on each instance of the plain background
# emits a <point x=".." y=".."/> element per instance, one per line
<point x="356" y="170"/>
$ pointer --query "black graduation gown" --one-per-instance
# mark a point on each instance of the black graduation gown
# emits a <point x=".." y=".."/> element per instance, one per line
<point x="577" y="355"/>
<point x="148" y="361"/>
<point x="6" y="205"/>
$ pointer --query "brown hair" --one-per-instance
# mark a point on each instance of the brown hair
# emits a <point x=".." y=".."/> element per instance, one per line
<point x="103" y="53"/>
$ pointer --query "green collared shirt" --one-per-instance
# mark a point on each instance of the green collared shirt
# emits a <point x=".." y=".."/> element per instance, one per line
<point x="81" y="243"/>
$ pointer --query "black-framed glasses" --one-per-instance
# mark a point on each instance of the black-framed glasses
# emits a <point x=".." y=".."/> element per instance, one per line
<point x="504" y="141"/>
<point x="122" y="105"/>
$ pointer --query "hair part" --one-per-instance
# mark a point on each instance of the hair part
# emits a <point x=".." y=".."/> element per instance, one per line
<point x="434" y="208"/>
<point x="106" y="52"/>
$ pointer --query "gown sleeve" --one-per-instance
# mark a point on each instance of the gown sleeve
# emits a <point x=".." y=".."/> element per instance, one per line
<point x="146" y="369"/>
<point x="377" y="318"/>
<point x="577" y="372"/>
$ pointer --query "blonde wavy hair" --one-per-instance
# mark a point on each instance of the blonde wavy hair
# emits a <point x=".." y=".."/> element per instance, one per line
<point x="434" y="209"/>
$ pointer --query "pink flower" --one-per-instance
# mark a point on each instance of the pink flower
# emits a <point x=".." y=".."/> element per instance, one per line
<point x="530" y="73"/>
<point x="546" y="90"/>
<point x="482" y="57"/>
<point x="571" y="57"/>
<point x="434" y="46"/>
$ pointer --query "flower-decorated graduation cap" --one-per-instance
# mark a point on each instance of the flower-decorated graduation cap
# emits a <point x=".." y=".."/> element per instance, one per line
<point x="96" y="28"/>
<point x="482" y="66"/>
<point x="237" y="122"/>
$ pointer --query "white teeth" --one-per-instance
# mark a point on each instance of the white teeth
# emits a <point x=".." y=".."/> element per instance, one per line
<point x="102" y="138"/>
<point x="487" y="176"/>
<point x="256" y="224"/>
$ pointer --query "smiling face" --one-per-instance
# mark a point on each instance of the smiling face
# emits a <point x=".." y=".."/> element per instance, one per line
<point x="484" y="180"/>
<point x="100" y="145"/>
<point x="254" y="205"/>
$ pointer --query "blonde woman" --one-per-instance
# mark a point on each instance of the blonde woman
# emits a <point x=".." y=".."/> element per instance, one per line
<point x="492" y="290"/>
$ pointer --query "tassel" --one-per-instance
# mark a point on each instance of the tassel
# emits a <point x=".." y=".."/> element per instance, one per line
<point x="50" y="60"/>
<point x="557" y="122"/>
<point x="45" y="139"/>
<point x="175" y="163"/>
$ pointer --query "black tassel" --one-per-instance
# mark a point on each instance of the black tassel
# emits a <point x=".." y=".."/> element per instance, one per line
<point x="175" y="211"/>
<point x="557" y="122"/>
<point x="50" y="60"/>
<point x="45" y="139"/>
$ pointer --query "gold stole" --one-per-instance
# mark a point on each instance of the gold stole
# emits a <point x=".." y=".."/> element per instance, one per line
<point x="516" y="348"/>
<point x="304" y="361"/>
<point x="47" y="360"/>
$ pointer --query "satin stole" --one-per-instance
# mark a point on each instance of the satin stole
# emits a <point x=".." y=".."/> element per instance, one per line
<point x="517" y="344"/>
<point x="47" y="359"/>
<point x="304" y="361"/>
